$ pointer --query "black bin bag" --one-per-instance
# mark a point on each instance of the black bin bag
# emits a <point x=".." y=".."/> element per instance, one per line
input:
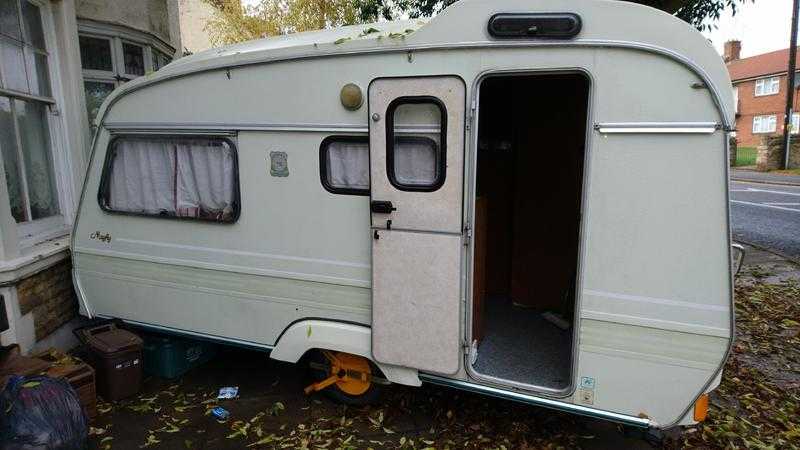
<point x="41" y="413"/>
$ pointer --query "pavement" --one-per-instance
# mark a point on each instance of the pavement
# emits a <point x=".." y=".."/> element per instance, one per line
<point x="764" y="177"/>
<point x="767" y="267"/>
<point x="767" y="216"/>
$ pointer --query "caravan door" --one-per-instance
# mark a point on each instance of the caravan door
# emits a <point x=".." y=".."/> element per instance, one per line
<point x="416" y="136"/>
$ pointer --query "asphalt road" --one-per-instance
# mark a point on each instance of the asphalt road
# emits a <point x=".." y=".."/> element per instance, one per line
<point x="767" y="215"/>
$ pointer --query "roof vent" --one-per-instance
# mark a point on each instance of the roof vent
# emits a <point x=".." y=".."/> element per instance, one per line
<point x="542" y="25"/>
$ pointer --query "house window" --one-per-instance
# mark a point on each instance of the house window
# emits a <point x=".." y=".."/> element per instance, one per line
<point x="112" y="55"/>
<point x="174" y="177"/>
<point x="25" y="101"/>
<point x="159" y="59"/>
<point x="795" y="123"/>
<point x="344" y="164"/>
<point x="765" y="124"/>
<point x="415" y="131"/>
<point x="736" y="99"/>
<point x="767" y="86"/>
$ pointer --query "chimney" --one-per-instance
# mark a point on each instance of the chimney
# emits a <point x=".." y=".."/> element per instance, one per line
<point x="732" y="50"/>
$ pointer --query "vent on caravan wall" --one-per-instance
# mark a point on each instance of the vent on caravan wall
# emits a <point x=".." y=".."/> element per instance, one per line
<point x="549" y="25"/>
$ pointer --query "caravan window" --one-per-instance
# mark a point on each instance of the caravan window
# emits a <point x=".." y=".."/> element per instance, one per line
<point x="344" y="164"/>
<point x="415" y="132"/>
<point x="176" y="177"/>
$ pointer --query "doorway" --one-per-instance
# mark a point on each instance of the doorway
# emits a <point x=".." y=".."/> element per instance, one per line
<point x="532" y="132"/>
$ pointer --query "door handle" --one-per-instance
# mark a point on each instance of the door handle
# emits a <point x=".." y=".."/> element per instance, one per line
<point x="382" y="207"/>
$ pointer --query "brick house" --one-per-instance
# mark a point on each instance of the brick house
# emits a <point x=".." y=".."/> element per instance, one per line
<point x="59" y="59"/>
<point x="759" y="90"/>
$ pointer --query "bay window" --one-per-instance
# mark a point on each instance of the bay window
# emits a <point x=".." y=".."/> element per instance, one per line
<point x="25" y="109"/>
<point x="112" y="55"/>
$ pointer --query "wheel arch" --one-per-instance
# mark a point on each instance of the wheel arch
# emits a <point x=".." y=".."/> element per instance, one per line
<point x="304" y="335"/>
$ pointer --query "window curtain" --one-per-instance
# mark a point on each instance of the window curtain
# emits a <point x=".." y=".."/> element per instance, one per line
<point x="415" y="161"/>
<point x="348" y="165"/>
<point x="143" y="177"/>
<point x="174" y="177"/>
<point x="205" y="180"/>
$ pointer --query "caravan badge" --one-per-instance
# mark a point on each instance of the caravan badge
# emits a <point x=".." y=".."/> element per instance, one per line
<point x="278" y="164"/>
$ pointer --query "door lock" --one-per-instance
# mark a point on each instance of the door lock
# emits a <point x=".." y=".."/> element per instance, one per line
<point x="381" y="207"/>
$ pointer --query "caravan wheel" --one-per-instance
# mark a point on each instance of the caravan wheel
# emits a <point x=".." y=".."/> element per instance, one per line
<point x="344" y="377"/>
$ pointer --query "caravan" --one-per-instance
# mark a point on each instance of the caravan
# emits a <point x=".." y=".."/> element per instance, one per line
<point x="522" y="199"/>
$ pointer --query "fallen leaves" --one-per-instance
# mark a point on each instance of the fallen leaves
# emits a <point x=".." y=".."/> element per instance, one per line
<point x="151" y="441"/>
<point x="757" y="404"/>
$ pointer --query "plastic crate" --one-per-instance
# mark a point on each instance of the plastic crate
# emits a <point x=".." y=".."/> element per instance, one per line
<point x="170" y="357"/>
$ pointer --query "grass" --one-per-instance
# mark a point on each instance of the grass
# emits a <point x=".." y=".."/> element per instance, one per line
<point x="745" y="156"/>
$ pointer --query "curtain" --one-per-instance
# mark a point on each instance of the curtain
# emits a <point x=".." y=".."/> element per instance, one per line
<point x="143" y="177"/>
<point x="415" y="161"/>
<point x="348" y="165"/>
<point x="173" y="177"/>
<point x="205" y="179"/>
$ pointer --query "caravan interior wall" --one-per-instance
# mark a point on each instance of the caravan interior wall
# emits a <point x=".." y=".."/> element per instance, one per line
<point x="227" y="197"/>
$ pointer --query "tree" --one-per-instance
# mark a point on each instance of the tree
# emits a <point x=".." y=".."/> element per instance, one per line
<point x="695" y="12"/>
<point x="233" y="22"/>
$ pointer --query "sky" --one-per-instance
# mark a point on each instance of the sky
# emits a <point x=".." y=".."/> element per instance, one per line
<point x="762" y="26"/>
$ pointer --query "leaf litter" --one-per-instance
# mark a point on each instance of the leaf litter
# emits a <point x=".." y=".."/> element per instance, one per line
<point x="756" y="405"/>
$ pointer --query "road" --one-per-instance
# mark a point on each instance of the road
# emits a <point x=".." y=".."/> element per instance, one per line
<point x="767" y="215"/>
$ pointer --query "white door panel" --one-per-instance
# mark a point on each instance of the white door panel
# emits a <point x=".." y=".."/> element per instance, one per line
<point x="439" y="210"/>
<point x="416" y="177"/>
<point x="415" y="311"/>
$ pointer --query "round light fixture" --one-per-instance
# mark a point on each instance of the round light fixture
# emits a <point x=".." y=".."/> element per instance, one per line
<point x="351" y="96"/>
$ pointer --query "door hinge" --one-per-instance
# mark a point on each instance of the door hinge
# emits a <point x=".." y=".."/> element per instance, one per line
<point x="470" y="116"/>
<point x="467" y="236"/>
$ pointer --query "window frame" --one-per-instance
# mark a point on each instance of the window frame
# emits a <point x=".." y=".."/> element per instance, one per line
<point x="34" y="231"/>
<point x="761" y="120"/>
<point x="323" y="163"/>
<point x="441" y="146"/>
<point x="795" y="123"/>
<point x="96" y="73"/>
<point x="765" y="82"/>
<point x="29" y="52"/>
<point x="147" y="66"/>
<point x="103" y="190"/>
<point x="117" y="35"/>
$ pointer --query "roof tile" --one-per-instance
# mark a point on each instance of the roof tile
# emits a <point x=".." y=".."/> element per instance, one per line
<point x="760" y="65"/>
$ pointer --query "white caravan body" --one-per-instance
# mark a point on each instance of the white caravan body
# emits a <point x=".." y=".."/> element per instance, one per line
<point x="298" y="264"/>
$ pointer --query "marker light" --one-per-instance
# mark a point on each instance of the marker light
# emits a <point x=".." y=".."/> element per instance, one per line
<point x="701" y="408"/>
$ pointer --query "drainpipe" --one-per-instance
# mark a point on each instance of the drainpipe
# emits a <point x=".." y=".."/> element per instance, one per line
<point x="790" y="76"/>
